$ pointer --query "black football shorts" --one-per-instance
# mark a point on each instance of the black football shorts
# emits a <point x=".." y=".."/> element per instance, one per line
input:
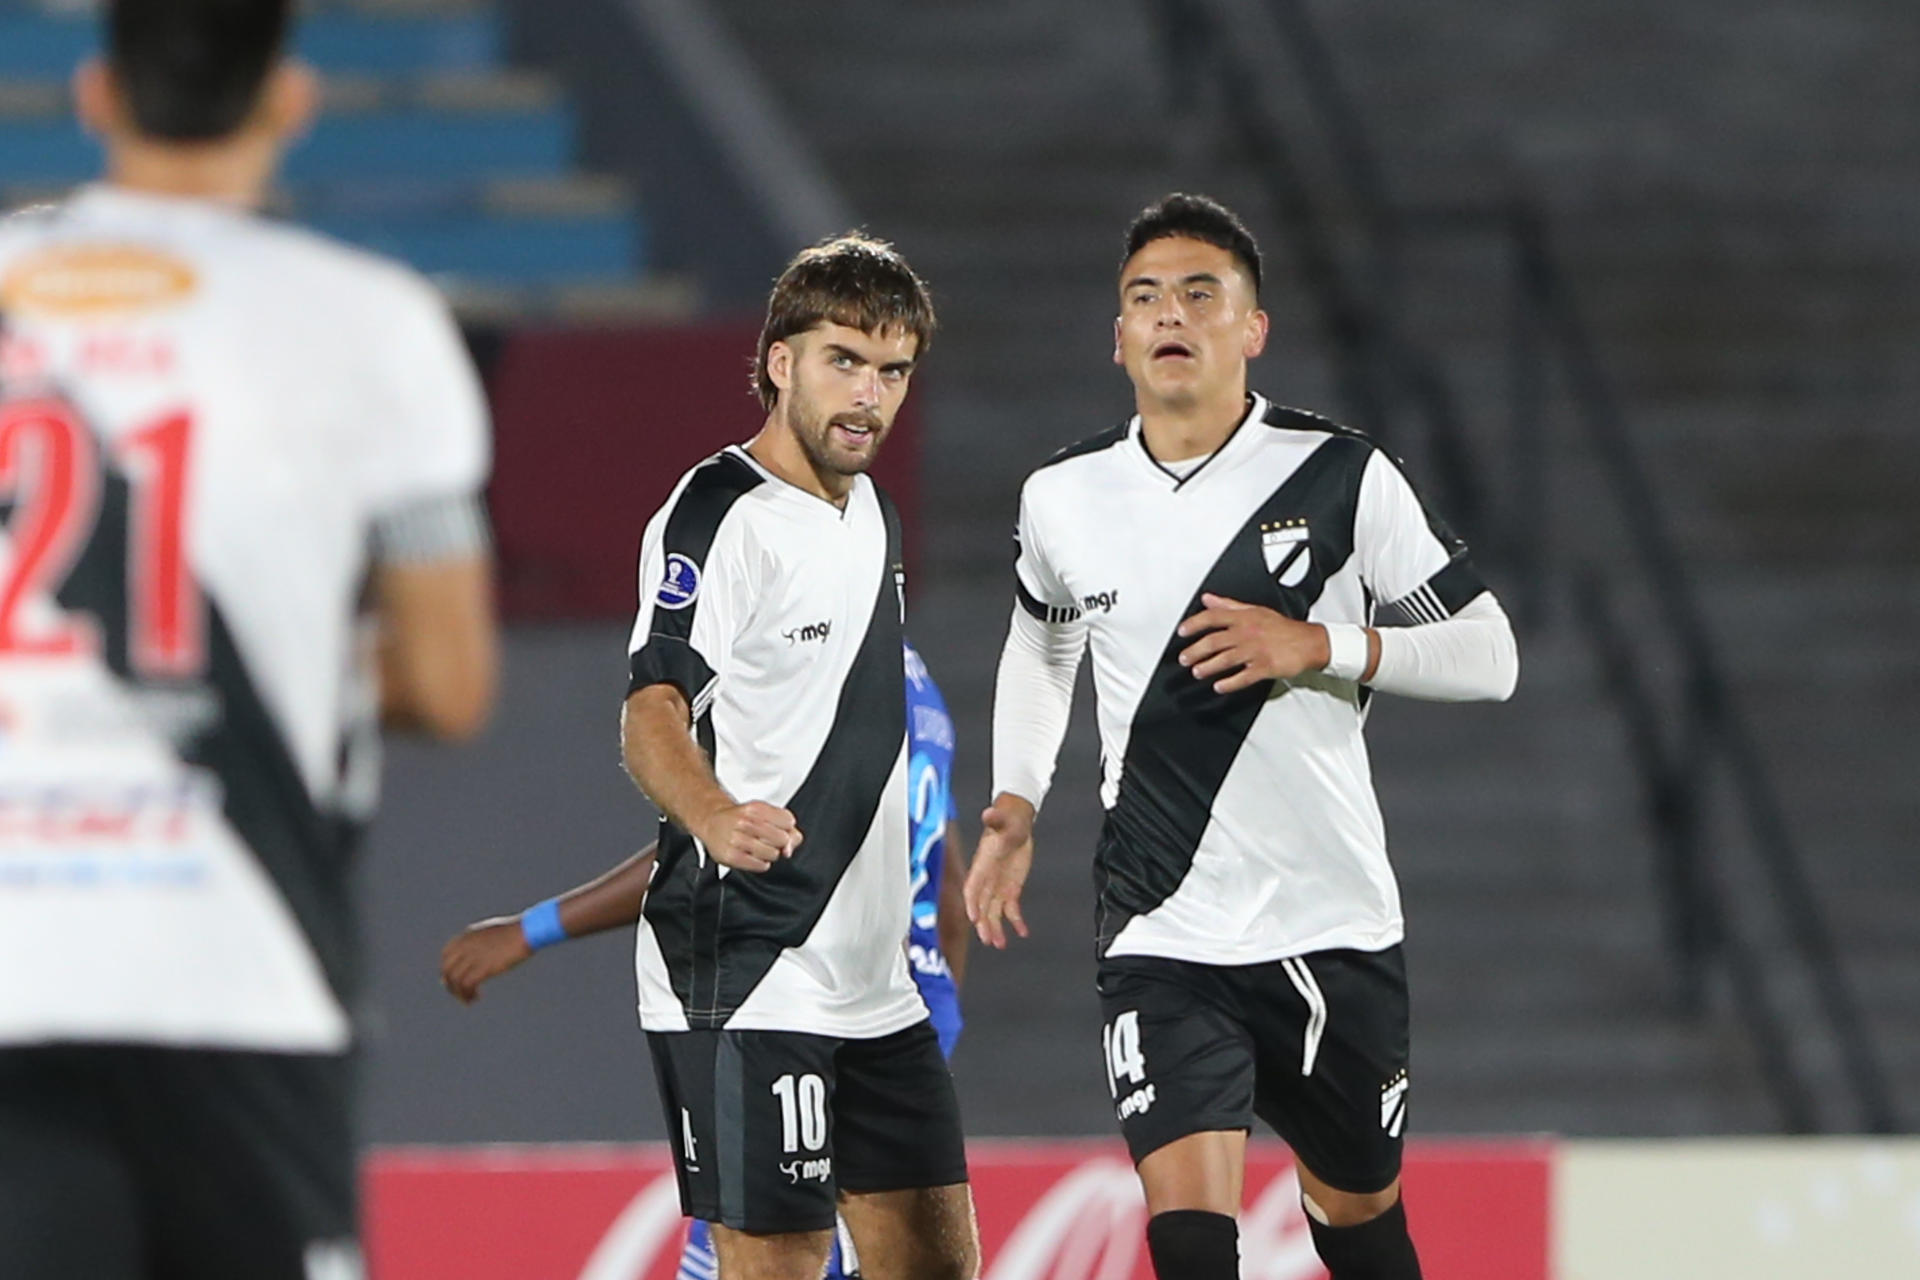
<point x="768" y="1127"/>
<point x="134" y="1163"/>
<point x="1315" y="1045"/>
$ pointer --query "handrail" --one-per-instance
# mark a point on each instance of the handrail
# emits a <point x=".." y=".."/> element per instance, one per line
<point x="774" y="162"/>
<point x="1719" y="725"/>
<point x="1379" y="368"/>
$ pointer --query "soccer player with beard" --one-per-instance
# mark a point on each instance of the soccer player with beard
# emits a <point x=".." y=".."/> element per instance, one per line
<point x="797" y="1066"/>
<point x="936" y="947"/>
<point x="1230" y="563"/>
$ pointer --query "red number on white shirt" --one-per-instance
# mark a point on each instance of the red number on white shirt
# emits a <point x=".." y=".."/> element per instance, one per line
<point x="167" y="610"/>
<point x="48" y="466"/>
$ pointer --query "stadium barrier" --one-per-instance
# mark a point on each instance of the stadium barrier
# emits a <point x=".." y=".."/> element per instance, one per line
<point x="1049" y="1210"/>
<point x="1759" y="1209"/>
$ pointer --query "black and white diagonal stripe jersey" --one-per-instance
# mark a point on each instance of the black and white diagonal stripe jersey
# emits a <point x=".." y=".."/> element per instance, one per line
<point x="212" y="425"/>
<point x="778" y="615"/>
<point x="1243" y="827"/>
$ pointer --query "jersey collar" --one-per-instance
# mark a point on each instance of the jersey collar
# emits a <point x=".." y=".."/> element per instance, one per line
<point x="1219" y="460"/>
<point x="795" y="496"/>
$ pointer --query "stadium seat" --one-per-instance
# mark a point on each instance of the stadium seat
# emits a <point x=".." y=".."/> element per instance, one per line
<point x="429" y="147"/>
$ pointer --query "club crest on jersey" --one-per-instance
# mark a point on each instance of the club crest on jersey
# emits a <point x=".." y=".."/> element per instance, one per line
<point x="1285" y="546"/>
<point x="681" y="585"/>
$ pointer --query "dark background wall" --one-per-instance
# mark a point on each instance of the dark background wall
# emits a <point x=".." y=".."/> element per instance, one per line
<point x="1734" y="186"/>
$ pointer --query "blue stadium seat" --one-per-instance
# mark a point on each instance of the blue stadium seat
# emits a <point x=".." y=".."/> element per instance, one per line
<point x="35" y="44"/>
<point x="374" y="145"/>
<point x="430" y="148"/>
<point x="503" y="251"/>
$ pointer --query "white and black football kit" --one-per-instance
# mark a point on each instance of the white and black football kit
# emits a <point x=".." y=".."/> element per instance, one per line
<point x="1248" y="921"/>
<point x="212" y="426"/>
<point x="793" y="1052"/>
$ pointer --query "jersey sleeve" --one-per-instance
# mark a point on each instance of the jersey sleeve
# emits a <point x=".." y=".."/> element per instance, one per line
<point x="1038" y="588"/>
<point x="695" y="595"/>
<point x="427" y="436"/>
<point x="1412" y="563"/>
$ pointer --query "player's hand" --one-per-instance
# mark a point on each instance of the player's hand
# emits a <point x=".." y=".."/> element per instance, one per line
<point x="479" y="952"/>
<point x="1000" y="866"/>
<point x="1246" y="643"/>
<point x="749" y="837"/>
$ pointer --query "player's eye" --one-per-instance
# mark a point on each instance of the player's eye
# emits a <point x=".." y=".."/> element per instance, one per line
<point x="843" y="361"/>
<point x="1200" y="295"/>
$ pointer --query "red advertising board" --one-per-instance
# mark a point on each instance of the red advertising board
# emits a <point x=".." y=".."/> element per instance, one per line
<point x="1048" y="1211"/>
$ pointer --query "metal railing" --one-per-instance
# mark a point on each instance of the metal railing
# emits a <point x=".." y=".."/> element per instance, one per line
<point x="1679" y="739"/>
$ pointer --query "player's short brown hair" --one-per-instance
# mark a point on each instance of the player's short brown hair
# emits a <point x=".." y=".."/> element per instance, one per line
<point x="852" y="280"/>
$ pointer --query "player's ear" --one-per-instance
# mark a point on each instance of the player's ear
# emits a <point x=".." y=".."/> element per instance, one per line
<point x="95" y="98"/>
<point x="780" y="364"/>
<point x="1256" y="339"/>
<point x="291" y="99"/>
<point x="1119" y="357"/>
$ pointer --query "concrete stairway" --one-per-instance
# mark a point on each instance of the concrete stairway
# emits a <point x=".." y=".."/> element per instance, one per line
<point x="1003" y="146"/>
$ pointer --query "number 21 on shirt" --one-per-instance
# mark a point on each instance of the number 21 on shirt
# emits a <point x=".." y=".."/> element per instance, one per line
<point x="50" y="479"/>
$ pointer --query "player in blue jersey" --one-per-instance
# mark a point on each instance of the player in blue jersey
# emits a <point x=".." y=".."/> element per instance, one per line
<point x="936" y="942"/>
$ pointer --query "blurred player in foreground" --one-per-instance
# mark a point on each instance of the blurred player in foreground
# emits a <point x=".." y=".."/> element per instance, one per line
<point x="218" y="434"/>
<point x="1226" y="559"/>
<point x="936" y="944"/>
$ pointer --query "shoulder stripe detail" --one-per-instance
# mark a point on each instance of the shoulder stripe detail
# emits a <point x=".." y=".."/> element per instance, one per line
<point x="1052" y="614"/>
<point x="1285" y="418"/>
<point x="668" y="657"/>
<point x="1441" y="596"/>
<point x="703" y="503"/>
<point x="1092" y="444"/>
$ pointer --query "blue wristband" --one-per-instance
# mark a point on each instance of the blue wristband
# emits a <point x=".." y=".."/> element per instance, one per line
<point x="540" y="924"/>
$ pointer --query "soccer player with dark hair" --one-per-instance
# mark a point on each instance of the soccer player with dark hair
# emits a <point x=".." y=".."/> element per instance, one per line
<point x="797" y="1066"/>
<point x="219" y="435"/>
<point x="1231" y="564"/>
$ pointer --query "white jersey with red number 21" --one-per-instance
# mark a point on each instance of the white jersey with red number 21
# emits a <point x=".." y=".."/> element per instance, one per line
<point x="203" y="416"/>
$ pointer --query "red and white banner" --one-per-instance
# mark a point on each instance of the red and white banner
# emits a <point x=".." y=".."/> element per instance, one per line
<point x="1048" y="1211"/>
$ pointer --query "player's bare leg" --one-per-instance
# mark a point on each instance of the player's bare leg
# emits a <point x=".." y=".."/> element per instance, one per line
<point x="927" y="1233"/>
<point x="1202" y="1171"/>
<point x="1193" y="1187"/>
<point x="1360" y="1236"/>
<point x="787" y="1255"/>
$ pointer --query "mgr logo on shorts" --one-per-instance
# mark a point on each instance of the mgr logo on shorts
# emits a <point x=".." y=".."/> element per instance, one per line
<point x="681" y="585"/>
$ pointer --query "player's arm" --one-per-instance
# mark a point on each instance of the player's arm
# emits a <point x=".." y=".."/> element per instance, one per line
<point x="1032" y="698"/>
<point x="1458" y="645"/>
<point x="952" y="923"/>
<point x="1459" y="648"/>
<point x="424" y="459"/>
<point x="667" y="764"/>
<point x="438" y="646"/>
<point x="486" y="949"/>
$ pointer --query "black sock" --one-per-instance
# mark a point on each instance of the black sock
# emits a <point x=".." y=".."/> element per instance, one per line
<point x="1378" y="1249"/>
<point x="1192" y="1244"/>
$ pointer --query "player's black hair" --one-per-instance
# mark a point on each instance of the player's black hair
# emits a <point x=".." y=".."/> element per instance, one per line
<point x="192" y="70"/>
<point x="1200" y="218"/>
<point x="849" y="279"/>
